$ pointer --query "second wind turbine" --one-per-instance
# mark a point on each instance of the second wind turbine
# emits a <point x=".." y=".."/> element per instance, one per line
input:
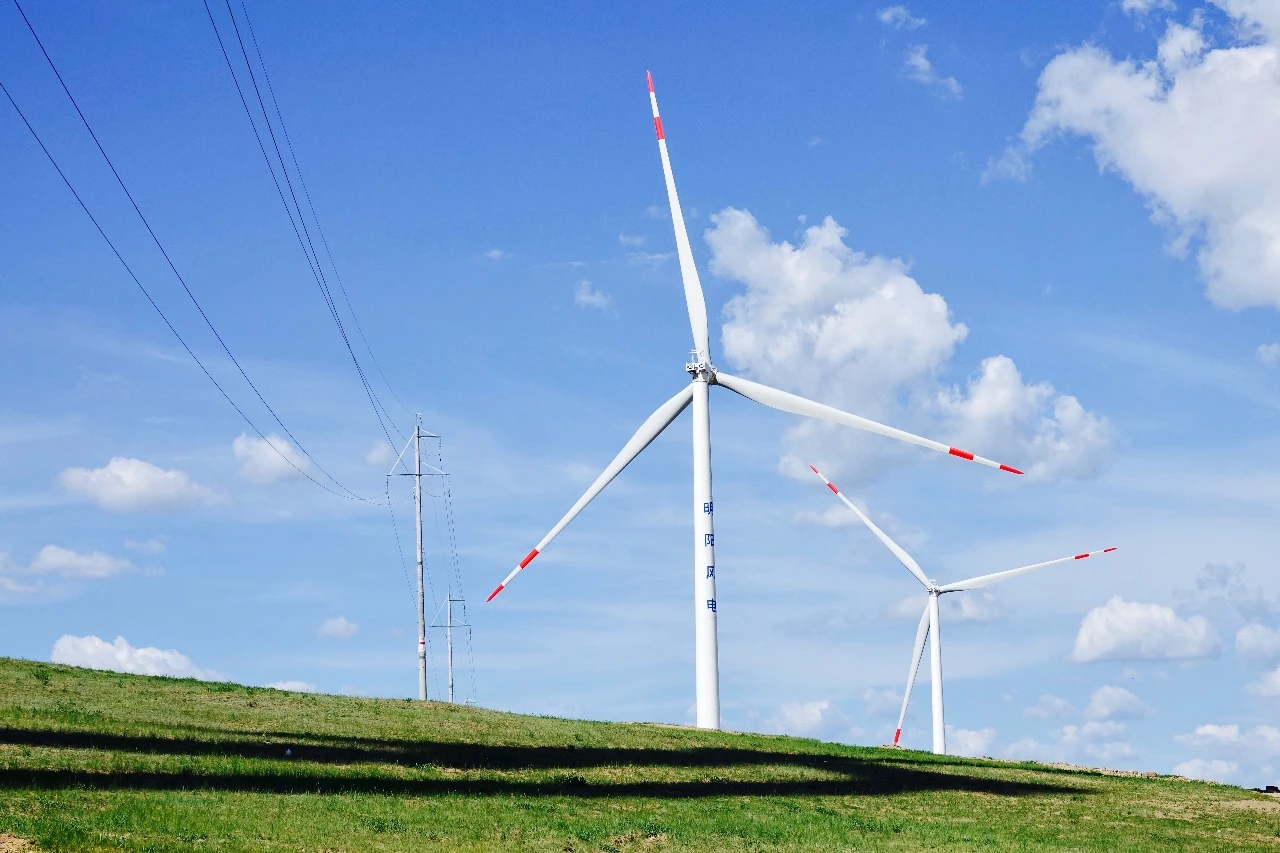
<point x="704" y="374"/>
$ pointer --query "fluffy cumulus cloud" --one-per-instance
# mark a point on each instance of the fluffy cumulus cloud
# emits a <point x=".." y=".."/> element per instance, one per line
<point x="1267" y="685"/>
<point x="1132" y="630"/>
<point x="920" y="69"/>
<point x="1049" y="707"/>
<point x="54" y="563"/>
<point x="817" y="719"/>
<point x="972" y="742"/>
<point x="1228" y="748"/>
<point x="858" y="332"/>
<point x="1214" y="770"/>
<point x="95" y="653"/>
<point x="126" y="484"/>
<point x="1258" y="641"/>
<point x="1115" y="703"/>
<point x="338" y="628"/>
<point x="1031" y="422"/>
<point x="586" y="295"/>
<point x="1193" y="131"/>
<point x="294" y="686"/>
<point x="900" y="18"/>
<point x="268" y="460"/>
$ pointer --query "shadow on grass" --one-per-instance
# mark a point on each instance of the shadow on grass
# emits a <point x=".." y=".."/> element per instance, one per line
<point x="856" y="776"/>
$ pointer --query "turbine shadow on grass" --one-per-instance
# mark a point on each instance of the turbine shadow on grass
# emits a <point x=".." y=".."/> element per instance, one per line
<point x="306" y="772"/>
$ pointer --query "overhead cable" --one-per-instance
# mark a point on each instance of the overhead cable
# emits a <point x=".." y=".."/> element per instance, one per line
<point x="303" y="235"/>
<point x="153" y="303"/>
<point x="169" y="261"/>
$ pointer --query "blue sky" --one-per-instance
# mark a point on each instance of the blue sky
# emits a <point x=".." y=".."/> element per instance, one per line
<point x="1050" y="235"/>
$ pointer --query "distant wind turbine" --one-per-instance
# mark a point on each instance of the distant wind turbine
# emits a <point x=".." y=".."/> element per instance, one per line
<point x="704" y="375"/>
<point x="929" y="623"/>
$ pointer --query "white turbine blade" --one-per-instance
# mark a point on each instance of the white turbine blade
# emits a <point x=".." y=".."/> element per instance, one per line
<point x="785" y="402"/>
<point x="916" y="653"/>
<point x="903" y="556"/>
<point x="648" y="431"/>
<point x="985" y="580"/>
<point x="688" y="272"/>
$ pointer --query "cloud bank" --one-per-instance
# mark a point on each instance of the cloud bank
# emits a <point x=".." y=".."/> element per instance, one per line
<point x="95" y="653"/>
<point x="856" y="331"/>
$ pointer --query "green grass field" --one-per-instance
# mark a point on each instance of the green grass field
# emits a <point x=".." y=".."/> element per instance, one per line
<point x="102" y="761"/>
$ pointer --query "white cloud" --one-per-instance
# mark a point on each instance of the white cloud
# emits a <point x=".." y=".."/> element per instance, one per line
<point x="1268" y="354"/>
<point x="882" y="701"/>
<point x="899" y="18"/>
<point x="1092" y="731"/>
<point x="338" y="627"/>
<point x="972" y="742"/>
<point x="920" y="69"/>
<point x="1267" y="685"/>
<point x="1193" y="132"/>
<point x="632" y="240"/>
<point x="148" y="546"/>
<point x="857" y="332"/>
<point x="1049" y="707"/>
<point x="268" y="460"/>
<point x="1115" y="703"/>
<point x="999" y="410"/>
<point x="819" y="719"/>
<point x="1142" y="7"/>
<point x="1213" y="770"/>
<point x="1211" y="735"/>
<point x="834" y="516"/>
<point x="119" y="656"/>
<point x="381" y="453"/>
<point x="69" y="564"/>
<point x="495" y="254"/>
<point x="1131" y="630"/>
<point x="1258" y="641"/>
<point x="911" y="607"/>
<point x="126" y="484"/>
<point x="294" y="686"/>
<point x="971" y="607"/>
<point x="588" y="297"/>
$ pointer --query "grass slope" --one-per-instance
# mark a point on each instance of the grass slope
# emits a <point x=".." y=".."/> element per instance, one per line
<point x="103" y="761"/>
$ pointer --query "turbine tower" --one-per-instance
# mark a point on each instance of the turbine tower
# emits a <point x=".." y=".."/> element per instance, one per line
<point x="929" y="622"/>
<point x="703" y="375"/>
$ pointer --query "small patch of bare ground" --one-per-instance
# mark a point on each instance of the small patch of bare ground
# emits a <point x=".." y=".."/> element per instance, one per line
<point x="14" y="844"/>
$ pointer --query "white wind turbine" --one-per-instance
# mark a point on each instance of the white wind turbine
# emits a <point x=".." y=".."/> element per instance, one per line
<point x="704" y="375"/>
<point x="929" y="623"/>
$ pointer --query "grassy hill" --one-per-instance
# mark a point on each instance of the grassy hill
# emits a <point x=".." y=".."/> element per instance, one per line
<point x="102" y="761"/>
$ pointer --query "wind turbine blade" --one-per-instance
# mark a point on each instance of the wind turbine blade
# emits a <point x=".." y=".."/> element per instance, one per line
<point x="785" y="402"/>
<point x="903" y="556"/>
<point x="986" y="580"/>
<point x="648" y="431"/>
<point x="916" y="653"/>
<point x="688" y="272"/>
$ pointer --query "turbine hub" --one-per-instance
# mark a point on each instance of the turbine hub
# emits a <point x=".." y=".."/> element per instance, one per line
<point x="700" y="367"/>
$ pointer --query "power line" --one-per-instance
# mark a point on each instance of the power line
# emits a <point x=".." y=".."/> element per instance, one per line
<point x="320" y="230"/>
<point x="303" y="236"/>
<point x="152" y="301"/>
<point x="169" y="260"/>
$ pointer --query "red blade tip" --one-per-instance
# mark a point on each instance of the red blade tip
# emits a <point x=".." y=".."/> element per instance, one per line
<point x="495" y="592"/>
<point x="897" y="735"/>
<point x="649" y="77"/>
<point x="815" y="470"/>
<point x="1010" y="469"/>
<point x="1107" y="550"/>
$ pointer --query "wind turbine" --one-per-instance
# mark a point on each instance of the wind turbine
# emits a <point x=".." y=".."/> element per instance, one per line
<point x="929" y="622"/>
<point x="704" y="375"/>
